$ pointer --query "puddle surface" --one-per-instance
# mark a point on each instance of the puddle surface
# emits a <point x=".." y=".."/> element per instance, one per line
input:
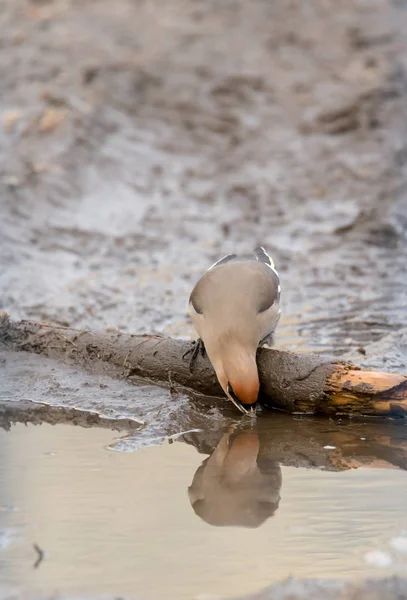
<point x="123" y="522"/>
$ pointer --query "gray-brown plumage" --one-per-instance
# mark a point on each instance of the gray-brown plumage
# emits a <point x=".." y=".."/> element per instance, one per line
<point x="235" y="308"/>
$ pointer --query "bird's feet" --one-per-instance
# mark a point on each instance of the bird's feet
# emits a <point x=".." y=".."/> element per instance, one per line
<point x="197" y="347"/>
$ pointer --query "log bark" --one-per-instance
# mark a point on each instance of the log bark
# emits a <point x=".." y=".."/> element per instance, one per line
<point x="295" y="383"/>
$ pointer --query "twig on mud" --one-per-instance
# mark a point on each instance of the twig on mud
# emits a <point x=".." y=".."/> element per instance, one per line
<point x="125" y="360"/>
<point x="40" y="556"/>
<point x="52" y="325"/>
<point x="64" y="337"/>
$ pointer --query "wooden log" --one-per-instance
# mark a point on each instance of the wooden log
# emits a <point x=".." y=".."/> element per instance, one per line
<point x="295" y="383"/>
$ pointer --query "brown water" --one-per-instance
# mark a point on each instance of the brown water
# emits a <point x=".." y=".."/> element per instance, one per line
<point x="121" y="522"/>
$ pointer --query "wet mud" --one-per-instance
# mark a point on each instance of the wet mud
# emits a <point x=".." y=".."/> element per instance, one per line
<point x="162" y="138"/>
<point x="134" y="157"/>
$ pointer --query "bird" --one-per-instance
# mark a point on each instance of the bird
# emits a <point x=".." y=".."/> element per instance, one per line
<point x="235" y="308"/>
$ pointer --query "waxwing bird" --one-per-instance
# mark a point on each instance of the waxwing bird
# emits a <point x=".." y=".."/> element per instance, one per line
<point x="235" y="307"/>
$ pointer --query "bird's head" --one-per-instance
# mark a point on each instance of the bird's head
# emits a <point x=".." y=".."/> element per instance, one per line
<point x="238" y="375"/>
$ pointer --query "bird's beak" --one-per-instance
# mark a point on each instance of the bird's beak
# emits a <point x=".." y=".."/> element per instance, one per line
<point x="249" y="410"/>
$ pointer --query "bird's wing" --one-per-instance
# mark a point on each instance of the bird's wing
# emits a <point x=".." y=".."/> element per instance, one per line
<point x="222" y="261"/>
<point x="262" y="256"/>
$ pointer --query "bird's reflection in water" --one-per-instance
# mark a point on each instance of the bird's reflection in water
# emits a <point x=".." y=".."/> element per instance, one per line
<point x="239" y="484"/>
<point x="233" y="487"/>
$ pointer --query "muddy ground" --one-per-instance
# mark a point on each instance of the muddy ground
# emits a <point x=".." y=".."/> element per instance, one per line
<point x="141" y="140"/>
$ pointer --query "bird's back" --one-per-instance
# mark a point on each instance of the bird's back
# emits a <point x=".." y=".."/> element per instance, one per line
<point x="236" y="285"/>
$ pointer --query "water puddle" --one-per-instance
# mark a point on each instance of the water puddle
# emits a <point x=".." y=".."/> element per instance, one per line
<point x="168" y="521"/>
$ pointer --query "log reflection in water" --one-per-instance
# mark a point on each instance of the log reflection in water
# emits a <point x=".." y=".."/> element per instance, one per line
<point x="239" y="483"/>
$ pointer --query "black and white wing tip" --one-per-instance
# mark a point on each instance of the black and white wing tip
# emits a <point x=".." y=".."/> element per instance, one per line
<point x="223" y="260"/>
<point x="262" y="256"/>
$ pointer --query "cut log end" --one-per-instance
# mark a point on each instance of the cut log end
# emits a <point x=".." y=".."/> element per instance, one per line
<point x="356" y="391"/>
